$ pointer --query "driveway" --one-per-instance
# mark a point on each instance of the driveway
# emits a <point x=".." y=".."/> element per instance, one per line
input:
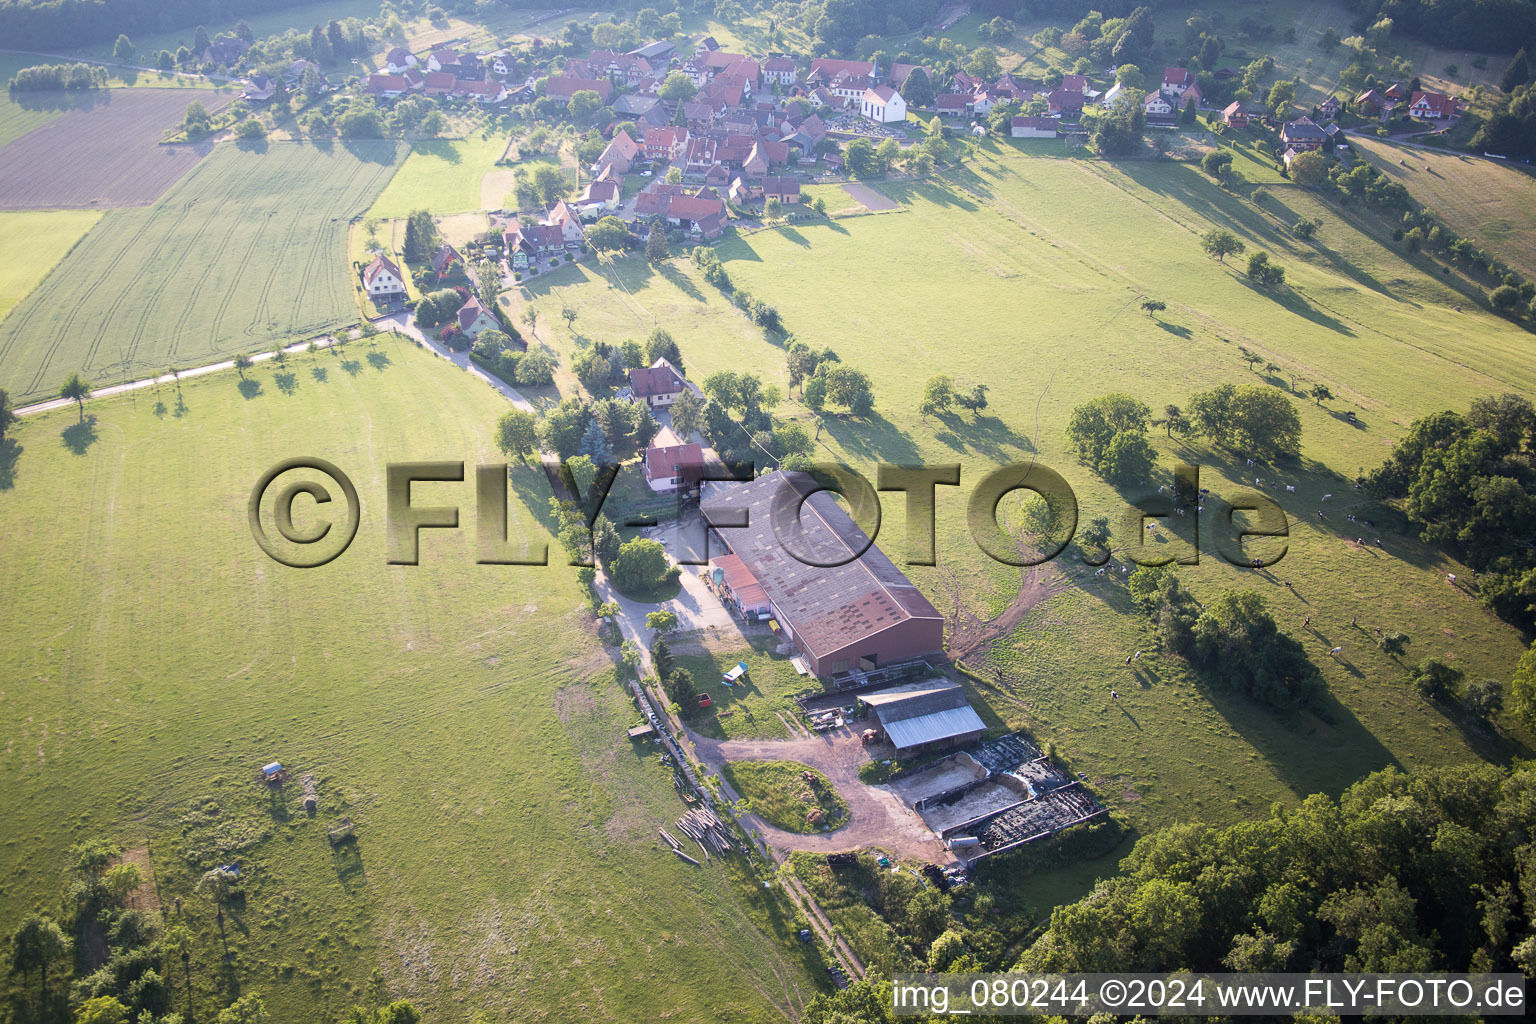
<point x="405" y="323"/>
<point x="877" y="816"/>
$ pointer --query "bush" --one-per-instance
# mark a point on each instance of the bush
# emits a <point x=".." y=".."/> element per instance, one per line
<point x="642" y="567"/>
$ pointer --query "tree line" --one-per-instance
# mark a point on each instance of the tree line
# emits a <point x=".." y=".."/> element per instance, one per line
<point x="1468" y="482"/>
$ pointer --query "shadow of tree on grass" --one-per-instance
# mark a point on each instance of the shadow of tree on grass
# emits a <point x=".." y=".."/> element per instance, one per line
<point x="78" y="437"/>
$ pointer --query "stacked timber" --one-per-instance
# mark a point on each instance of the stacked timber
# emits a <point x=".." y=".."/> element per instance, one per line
<point x="701" y="825"/>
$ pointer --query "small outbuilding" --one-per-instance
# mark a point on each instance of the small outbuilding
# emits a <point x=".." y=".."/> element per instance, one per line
<point x="922" y="717"/>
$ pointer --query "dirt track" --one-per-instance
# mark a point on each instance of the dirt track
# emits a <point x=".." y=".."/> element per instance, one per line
<point x="878" y="817"/>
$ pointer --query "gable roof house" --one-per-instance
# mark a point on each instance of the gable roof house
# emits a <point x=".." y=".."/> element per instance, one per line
<point x="1234" y="115"/>
<point x="665" y="143"/>
<point x="225" y="49"/>
<point x="382" y="278"/>
<point x="388" y="86"/>
<point x="697" y="214"/>
<point x="437" y="60"/>
<point x="444" y="259"/>
<point x="258" y="89"/>
<point x="598" y="197"/>
<point x="1074" y="83"/>
<point x="620" y="153"/>
<point x="780" y="70"/>
<point x="1330" y="107"/>
<point x="399" y="60"/>
<point x="1158" y="104"/>
<point x="671" y="464"/>
<point x="1372" y="102"/>
<point x="1177" y="80"/>
<point x="1302" y="134"/>
<point x="1431" y="106"/>
<point x="658" y="386"/>
<point x="473" y="318"/>
<point x="1062" y="103"/>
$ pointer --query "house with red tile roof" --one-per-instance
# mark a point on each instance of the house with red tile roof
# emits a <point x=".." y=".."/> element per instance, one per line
<point x="382" y="279"/>
<point x="1432" y="106"/>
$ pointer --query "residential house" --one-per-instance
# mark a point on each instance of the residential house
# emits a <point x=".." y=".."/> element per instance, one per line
<point x="566" y="217"/>
<point x="706" y="45"/>
<point x="1396" y="92"/>
<point x="482" y="92"/>
<point x="1159" y="104"/>
<point x="700" y="154"/>
<point x="399" y="60"/>
<point x="437" y="60"/>
<point x="780" y="70"/>
<point x="388" y="86"/>
<point x="1302" y="135"/>
<point x="620" y="153"/>
<point x="1033" y="127"/>
<point x="665" y="144"/>
<point x="883" y="105"/>
<point x="672" y="464"/>
<point x="1112" y="95"/>
<point x="258" y="89"/>
<point x="1234" y="116"/>
<point x="473" y="318"/>
<point x="445" y="259"/>
<point x="598" y="198"/>
<point x="225" y="49"/>
<point x="1074" y="83"/>
<point x="1432" y="106"/>
<point x="439" y="83"/>
<point x="1177" y="80"/>
<point x="502" y="62"/>
<point x="382" y="279"/>
<point x="1370" y="103"/>
<point x="658" y="385"/>
<point x="1061" y="103"/>
<point x="698" y="214"/>
<point x="1330" y="107"/>
<point x="756" y="162"/>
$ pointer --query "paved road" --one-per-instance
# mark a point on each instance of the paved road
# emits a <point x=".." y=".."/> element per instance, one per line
<point x="166" y="378"/>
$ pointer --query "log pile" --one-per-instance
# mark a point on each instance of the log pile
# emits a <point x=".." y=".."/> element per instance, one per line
<point x="701" y="825"/>
<point x="677" y="848"/>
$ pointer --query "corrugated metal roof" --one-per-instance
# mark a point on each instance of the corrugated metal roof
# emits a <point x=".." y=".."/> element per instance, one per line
<point x="909" y="732"/>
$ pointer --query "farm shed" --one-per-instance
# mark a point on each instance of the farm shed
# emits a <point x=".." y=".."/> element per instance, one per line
<point x="858" y="616"/>
<point x="923" y="717"/>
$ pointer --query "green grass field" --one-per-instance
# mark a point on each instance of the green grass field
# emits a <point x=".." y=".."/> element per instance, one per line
<point x="443" y="177"/>
<point x="31" y="244"/>
<point x="463" y="716"/>
<point x="1008" y="277"/>
<point x="244" y="252"/>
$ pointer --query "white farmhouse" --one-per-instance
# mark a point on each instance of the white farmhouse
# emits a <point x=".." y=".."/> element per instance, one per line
<point x="383" y="279"/>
